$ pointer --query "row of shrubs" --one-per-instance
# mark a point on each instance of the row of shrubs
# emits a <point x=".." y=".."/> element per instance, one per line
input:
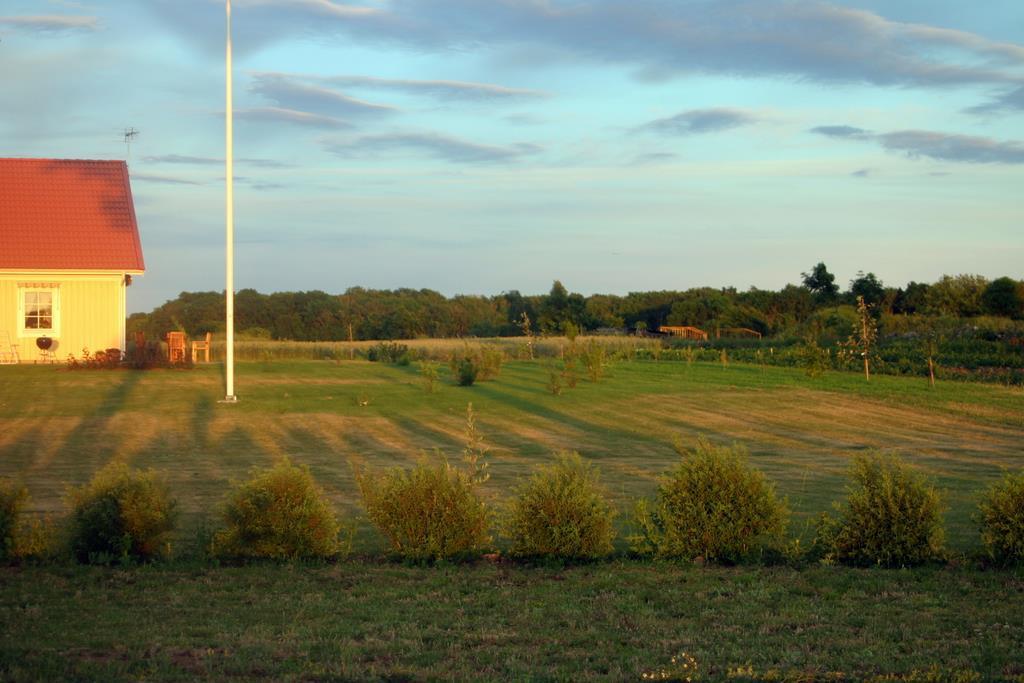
<point x="467" y="365"/>
<point x="999" y="363"/>
<point x="953" y="359"/>
<point x="711" y="507"/>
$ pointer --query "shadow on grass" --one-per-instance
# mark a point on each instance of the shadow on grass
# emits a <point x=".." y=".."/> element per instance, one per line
<point x="426" y="437"/>
<point x="50" y="460"/>
<point x="547" y="413"/>
<point x="202" y="415"/>
<point x="90" y="438"/>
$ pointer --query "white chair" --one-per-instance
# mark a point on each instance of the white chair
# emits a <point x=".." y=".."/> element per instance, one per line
<point x="9" y="351"/>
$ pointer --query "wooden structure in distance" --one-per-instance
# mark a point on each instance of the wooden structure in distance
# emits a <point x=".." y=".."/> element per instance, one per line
<point x="697" y="334"/>
<point x="685" y="331"/>
<point x="737" y="332"/>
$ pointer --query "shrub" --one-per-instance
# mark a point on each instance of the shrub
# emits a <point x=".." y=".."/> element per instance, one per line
<point x="1002" y="520"/>
<point x="814" y="359"/>
<point x="569" y="376"/>
<point x="713" y="506"/>
<point x="554" y="384"/>
<point x="472" y="364"/>
<point x="593" y="356"/>
<point x="22" y="538"/>
<point x="12" y="500"/>
<point x="389" y="352"/>
<point x="466" y="371"/>
<point x="490" y="362"/>
<point x="428" y="370"/>
<point x="429" y="512"/>
<point x="121" y="514"/>
<point x="561" y="511"/>
<point x="102" y="360"/>
<point x="279" y="514"/>
<point x="36" y="539"/>
<point x="148" y="355"/>
<point x="892" y="517"/>
<point x="111" y="358"/>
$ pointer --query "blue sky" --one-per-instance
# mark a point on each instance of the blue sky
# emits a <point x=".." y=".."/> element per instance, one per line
<point x="475" y="146"/>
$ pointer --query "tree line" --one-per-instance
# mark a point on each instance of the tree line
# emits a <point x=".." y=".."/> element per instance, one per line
<point x="362" y="314"/>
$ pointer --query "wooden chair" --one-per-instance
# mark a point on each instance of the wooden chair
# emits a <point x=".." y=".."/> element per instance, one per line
<point x="203" y="346"/>
<point x="176" y="347"/>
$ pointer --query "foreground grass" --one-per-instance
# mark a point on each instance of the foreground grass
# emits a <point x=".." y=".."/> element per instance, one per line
<point x="377" y="621"/>
<point x="58" y="427"/>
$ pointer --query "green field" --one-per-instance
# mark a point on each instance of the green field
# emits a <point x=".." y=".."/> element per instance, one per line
<point x="57" y="427"/>
<point x="611" y="621"/>
<point x="370" y="619"/>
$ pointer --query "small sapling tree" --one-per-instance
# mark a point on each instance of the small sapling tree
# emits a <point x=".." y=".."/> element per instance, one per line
<point x="554" y="384"/>
<point x="428" y="370"/>
<point x="569" y="376"/>
<point x="931" y="350"/>
<point x="865" y="332"/>
<point x="571" y="332"/>
<point x="594" y="359"/>
<point x="475" y="450"/>
<point x="524" y="325"/>
<point x="815" y="360"/>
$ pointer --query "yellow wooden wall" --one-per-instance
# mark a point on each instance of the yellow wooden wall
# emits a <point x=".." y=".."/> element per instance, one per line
<point x="92" y="314"/>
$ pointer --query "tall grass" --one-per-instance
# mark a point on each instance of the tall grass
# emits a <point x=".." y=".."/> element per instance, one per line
<point x="424" y="349"/>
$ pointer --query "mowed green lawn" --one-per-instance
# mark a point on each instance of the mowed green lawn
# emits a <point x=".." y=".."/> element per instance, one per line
<point x="57" y="427"/>
<point x="370" y="619"/>
<point x="609" y="621"/>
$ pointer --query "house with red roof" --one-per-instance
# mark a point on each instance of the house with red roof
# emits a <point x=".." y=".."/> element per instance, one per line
<point x="69" y="246"/>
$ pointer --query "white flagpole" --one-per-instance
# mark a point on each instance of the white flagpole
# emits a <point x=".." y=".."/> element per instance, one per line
<point x="229" y="287"/>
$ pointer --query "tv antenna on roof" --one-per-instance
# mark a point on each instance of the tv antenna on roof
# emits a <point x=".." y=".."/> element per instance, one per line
<point x="129" y="135"/>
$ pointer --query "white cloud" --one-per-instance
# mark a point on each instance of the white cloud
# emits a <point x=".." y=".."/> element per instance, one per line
<point x="935" y="145"/>
<point x="51" y="22"/>
<point x="442" y="89"/>
<point x="290" y="116"/>
<point x="803" y="39"/>
<point x="434" y="145"/>
<point x="292" y="94"/>
<point x="698" y="121"/>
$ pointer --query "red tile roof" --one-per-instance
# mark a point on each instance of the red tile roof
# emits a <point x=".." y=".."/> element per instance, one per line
<point x="67" y="214"/>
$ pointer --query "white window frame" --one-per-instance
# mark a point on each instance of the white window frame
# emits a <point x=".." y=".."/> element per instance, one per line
<point x="31" y="332"/>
